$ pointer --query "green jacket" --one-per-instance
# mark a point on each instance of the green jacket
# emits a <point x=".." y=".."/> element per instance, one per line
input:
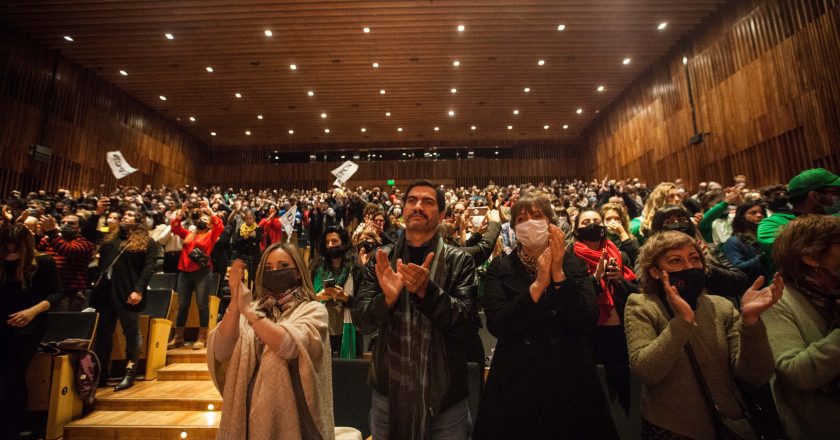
<point x="769" y="228"/>
<point x="709" y="217"/>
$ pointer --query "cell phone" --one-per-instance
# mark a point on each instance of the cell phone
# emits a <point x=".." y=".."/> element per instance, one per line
<point x="330" y="282"/>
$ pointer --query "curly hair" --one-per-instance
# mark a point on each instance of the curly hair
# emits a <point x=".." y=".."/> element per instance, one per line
<point x="656" y="247"/>
<point x="138" y="236"/>
<point x="657" y="199"/>
<point x="810" y="235"/>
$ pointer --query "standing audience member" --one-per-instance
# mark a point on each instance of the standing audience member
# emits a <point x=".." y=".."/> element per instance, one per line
<point x="196" y="272"/>
<point x="127" y="261"/>
<point x="334" y="278"/>
<point x="666" y="193"/>
<point x="246" y="245"/>
<point x="29" y="286"/>
<point x="540" y="304"/>
<point x="72" y="254"/>
<point x="674" y="319"/>
<point x="618" y="223"/>
<point x="419" y="294"/>
<point x="269" y="357"/>
<point x="741" y="248"/>
<point x="804" y="328"/>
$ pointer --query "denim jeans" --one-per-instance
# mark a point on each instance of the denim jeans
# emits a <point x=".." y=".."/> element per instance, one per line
<point x="200" y="282"/>
<point x="453" y="424"/>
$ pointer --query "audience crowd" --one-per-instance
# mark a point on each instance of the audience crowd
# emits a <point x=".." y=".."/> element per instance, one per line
<point x="708" y="295"/>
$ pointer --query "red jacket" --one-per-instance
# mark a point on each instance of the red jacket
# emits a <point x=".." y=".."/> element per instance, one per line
<point x="203" y="241"/>
<point x="272" y="229"/>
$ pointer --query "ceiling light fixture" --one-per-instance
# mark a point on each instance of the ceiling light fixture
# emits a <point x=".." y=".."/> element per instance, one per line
<point x="259" y="117"/>
<point x="456" y="63"/>
<point x="451" y="112"/>
<point x="565" y="127"/>
<point x="237" y="94"/>
<point x="247" y="132"/>
<point x="291" y="132"/>
<point x="561" y="27"/>
<point x="68" y="38"/>
<point x="626" y="61"/>
<point x="382" y="92"/>
<point x="461" y="28"/>
<point x="472" y="127"/>
<point x="268" y="33"/>
<point x="399" y="128"/>
<point x="527" y="90"/>
<point x="123" y="73"/>
<point x="545" y="127"/>
<point x="192" y="118"/>
<point x="209" y="69"/>
<point x="212" y="133"/>
<point x="310" y="93"/>
<point x="363" y="129"/>
<point x="453" y="90"/>
<point x="375" y="65"/>
<point x="515" y="111"/>
<point x="326" y="130"/>
<point x="541" y="62"/>
<point x="579" y="111"/>
<point x="387" y="114"/>
<point x="685" y="61"/>
<point x="437" y="128"/>
<point x="323" y="115"/>
<point x="510" y="127"/>
<point x="162" y="98"/>
<point x="169" y="36"/>
<point x="662" y="25"/>
<point x="600" y="88"/>
<point x="366" y="30"/>
<point x="293" y="66"/>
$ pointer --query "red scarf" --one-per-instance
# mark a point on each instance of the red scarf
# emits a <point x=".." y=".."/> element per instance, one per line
<point x="606" y="302"/>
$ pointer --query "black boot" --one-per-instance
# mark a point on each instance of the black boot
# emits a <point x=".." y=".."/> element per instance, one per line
<point x="128" y="380"/>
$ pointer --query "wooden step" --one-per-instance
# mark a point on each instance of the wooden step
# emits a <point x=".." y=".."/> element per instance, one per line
<point x="186" y="355"/>
<point x="164" y="395"/>
<point x="145" y="425"/>
<point x="184" y="372"/>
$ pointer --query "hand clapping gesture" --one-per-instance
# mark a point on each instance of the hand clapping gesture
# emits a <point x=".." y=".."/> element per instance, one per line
<point x="239" y="293"/>
<point x="415" y="277"/>
<point x="557" y="244"/>
<point x="390" y="282"/>
<point x="678" y="304"/>
<point x="756" y="300"/>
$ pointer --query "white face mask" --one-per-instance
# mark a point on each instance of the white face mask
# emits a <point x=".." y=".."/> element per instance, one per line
<point x="532" y="234"/>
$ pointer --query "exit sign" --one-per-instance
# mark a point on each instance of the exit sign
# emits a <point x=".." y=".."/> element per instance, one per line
<point x="391" y="182"/>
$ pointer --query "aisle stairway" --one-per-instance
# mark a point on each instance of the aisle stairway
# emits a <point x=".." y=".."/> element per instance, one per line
<point x="181" y="404"/>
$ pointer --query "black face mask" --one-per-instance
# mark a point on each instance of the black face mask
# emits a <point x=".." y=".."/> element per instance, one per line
<point x="335" y="252"/>
<point x="690" y="284"/>
<point x="780" y="204"/>
<point x="592" y="232"/>
<point x="684" y="227"/>
<point x="68" y="234"/>
<point x="201" y="225"/>
<point x="367" y="246"/>
<point x="195" y="216"/>
<point x="280" y="281"/>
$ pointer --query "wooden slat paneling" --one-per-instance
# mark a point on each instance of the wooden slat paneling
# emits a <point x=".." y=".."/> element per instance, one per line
<point x="766" y="82"/>
<point x="85" y="117"/>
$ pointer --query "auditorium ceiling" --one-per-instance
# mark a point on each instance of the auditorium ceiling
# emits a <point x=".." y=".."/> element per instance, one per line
<point x="270" y="73"/>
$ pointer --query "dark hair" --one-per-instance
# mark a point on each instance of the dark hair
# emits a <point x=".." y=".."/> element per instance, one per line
<point x="666" y="212"/>
<point x="441" y="200"/>
<point x="532" y="201"/>
<point x="345" y="241"/>
<point x="24" y="242"/>
<point x="580" y="214"/>
<point x="739" y="223"/>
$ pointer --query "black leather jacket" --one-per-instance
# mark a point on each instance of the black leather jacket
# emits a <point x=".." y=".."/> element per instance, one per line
<point x="450" y="308"/>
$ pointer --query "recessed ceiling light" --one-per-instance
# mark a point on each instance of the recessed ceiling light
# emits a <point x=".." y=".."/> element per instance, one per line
<point x="268" y="33"/>
<point x="366" y="30"/>
<point x="291" y="132"/>
<point x="565" y="127"/>
<point x="453" y="90"/>
<point x="247" y="132"/>
<point x="545" y="127"/>
<point x="238" y="95"/>
<point x="212" y="133"/>
<point x="461" y="28"/>
<point x="600" y="88"/>
<point x="323" y="115"/>
<point x="375" y="65"/>
<point x="510" y="127"/>
<point x="515" y="111"/>
<point x="310" y="93"/>
<point x="399" y="128"/>
<point x="192" y="118"/>
<point x="456" y="63"/>
<point x="437" y="128"/>
<point x="561" y="27"/>
<point x="259" y="117"/>
<point x="293" y="66"/>
<point x="579" y="111"/>
<point x="162" y="98"/>
<point x="541" y="62"/>
<point x="342" y="156"/>
<point x="169" y="36"/>
<point x="209" y="69"/>
<point x="68" y="38"/>
<point x="382" y="92"/>
<point x="626" y="61"/>
<point x="364" y="129"/>
<point x="685" y="60"/>
<point x="387" y="114"/>
<point x="662" y="25"/>
<point x="326" y="130"/>
<point x="123" y="73"/>
<point x="451" y="112"/>
<point x="472" y="127"/>
<point x="527" y="89"/>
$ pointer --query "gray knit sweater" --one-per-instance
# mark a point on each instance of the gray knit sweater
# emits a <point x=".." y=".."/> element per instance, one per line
<point x="671" y="395"/>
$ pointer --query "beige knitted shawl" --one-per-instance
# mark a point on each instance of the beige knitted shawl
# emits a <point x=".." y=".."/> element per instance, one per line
<point x="276" y="403"/>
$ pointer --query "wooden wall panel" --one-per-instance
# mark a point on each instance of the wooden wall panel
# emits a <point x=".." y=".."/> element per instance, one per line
<point x="766" y="81"/>
<point x="541" y="161"/>
<point x="80" y="117"/>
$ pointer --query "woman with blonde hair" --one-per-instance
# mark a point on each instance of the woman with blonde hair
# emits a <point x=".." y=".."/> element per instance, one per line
<point x="682" y="341"/>
<point x="666" y="193"/>
<point x="270" y="355"/>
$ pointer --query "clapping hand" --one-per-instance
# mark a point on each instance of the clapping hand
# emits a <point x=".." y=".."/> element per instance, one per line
<point x="601" y="268"/>
<point x="239" y="293"/>
<point x="415" y="277"/>
<point x="390" y="282"/>
<point x="557" y="244"/>
<point x="678" y="304"/>
<point x="756" y="300"/>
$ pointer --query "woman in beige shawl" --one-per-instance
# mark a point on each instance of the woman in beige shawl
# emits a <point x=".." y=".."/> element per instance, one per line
<point x="270" y="355"/>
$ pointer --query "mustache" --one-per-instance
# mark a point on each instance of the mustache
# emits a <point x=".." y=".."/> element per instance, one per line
<point x="419" y="214"/>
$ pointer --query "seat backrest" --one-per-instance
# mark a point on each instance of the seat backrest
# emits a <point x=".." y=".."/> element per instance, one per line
<point x="70" y="325"/>
<point x="160" y="281"/>
<point x="351" y="394"/>
<point x="158" y="302"/>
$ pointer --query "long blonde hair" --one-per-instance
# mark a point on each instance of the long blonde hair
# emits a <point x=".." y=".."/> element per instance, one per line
<point x="308" y="292"/>
<point x="657" y="199"/>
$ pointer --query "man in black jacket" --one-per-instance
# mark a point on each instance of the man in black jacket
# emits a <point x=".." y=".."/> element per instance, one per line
<point x="419" y="294"/>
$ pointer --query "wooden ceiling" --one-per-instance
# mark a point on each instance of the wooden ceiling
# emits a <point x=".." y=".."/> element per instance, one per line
<point x="414" y="43"/>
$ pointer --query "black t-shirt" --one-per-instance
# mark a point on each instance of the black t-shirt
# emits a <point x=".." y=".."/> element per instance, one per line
<point x="45" y="284"/>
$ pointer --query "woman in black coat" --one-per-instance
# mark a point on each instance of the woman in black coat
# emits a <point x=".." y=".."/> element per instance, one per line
<point x="127" y="259"/>
<point x="540" y="304"/>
